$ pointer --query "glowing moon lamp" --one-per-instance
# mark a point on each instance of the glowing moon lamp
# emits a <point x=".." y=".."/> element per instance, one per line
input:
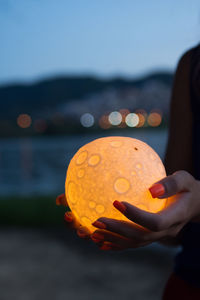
<point x="109" y="169"/>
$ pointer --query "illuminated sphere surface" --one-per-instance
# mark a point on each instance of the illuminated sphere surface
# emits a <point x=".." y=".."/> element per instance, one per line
<point x="109" y="169"/>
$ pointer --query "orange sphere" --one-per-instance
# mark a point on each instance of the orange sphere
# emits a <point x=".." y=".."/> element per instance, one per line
<point x="109" y="169"/>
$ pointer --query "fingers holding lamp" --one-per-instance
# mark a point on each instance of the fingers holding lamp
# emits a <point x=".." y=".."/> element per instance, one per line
<point x="119" y="169"/>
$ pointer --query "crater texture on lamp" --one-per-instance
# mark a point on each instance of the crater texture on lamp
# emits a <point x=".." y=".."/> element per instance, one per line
<point x="109" y="169"/>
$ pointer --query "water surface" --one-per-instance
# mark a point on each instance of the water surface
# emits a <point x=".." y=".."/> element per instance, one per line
<point x="37" y="165"/>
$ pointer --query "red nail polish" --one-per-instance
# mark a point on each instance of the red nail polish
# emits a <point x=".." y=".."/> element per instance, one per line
<point x="105" y="247"/>
<point x="58" y="201"/>
<point x="67" y="218"/>
<point x="81" y="234"/>
<point x="95" y="240"/>
<point x="157" y="190"/>
<point x="99" y="224"/>
<point x="120" y="206"/>
<point x="97" y="237"/>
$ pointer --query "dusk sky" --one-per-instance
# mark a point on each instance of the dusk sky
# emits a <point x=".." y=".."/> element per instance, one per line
<point x="42" y="38"/>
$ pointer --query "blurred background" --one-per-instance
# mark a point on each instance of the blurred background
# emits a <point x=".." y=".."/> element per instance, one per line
<point x="73" y="71"/>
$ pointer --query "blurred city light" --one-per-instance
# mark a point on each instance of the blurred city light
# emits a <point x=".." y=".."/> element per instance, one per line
<point x="124" y="112"/>
<point x="24" y="120"/>
<point x="115" y="118"/>
<point x="142" y="114"/>
<point x="87" y="120"/>
<point x="154" y="119"/>
<point x="141" y="120"/>
<point x="132" y="120"/>
<point x="141" y="111"/>
<point x="104" y="122"/>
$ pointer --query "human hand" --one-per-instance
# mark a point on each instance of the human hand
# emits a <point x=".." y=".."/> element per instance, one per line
<point x="82" y="232"/>
<point x="70" y="219"/>
<point x="144" y="227"/>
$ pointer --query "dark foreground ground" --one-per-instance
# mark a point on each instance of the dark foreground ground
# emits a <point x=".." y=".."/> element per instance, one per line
<point x="49" y="263"/>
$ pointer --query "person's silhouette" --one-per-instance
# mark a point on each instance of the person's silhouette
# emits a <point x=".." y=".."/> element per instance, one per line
<point x="179" y="222"/>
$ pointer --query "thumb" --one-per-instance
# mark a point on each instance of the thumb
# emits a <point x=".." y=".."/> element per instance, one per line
<point x="180" y="181"/>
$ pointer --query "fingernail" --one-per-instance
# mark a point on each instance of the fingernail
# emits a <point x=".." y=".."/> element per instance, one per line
<point x="157" y="190"/>
<point x="58" y="201"/>
<point x="118" y="205"/>
<point x="67" y="218"/>
<point x="81" y="231"/>
<point x="99" y="224"/>
<point x="81" y="234"/>
<point x="105" y="247"/>
<point x="97" y="237"/>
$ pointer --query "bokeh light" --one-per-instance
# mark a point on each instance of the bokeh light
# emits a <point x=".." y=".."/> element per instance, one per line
<point x="124" y="112"/>
<point x="132" y="120"/>
<point x="154" y="119"/>
<point x="24" y="120"/>
<point x="141" y="120"/>
<point x="115" y="118"/>
<point x="104" y="122"/>
<point x="87" y="120"/>
<point x="142" y="114"/>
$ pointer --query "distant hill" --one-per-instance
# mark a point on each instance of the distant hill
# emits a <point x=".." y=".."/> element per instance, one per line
<point x="48" y="93"/>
